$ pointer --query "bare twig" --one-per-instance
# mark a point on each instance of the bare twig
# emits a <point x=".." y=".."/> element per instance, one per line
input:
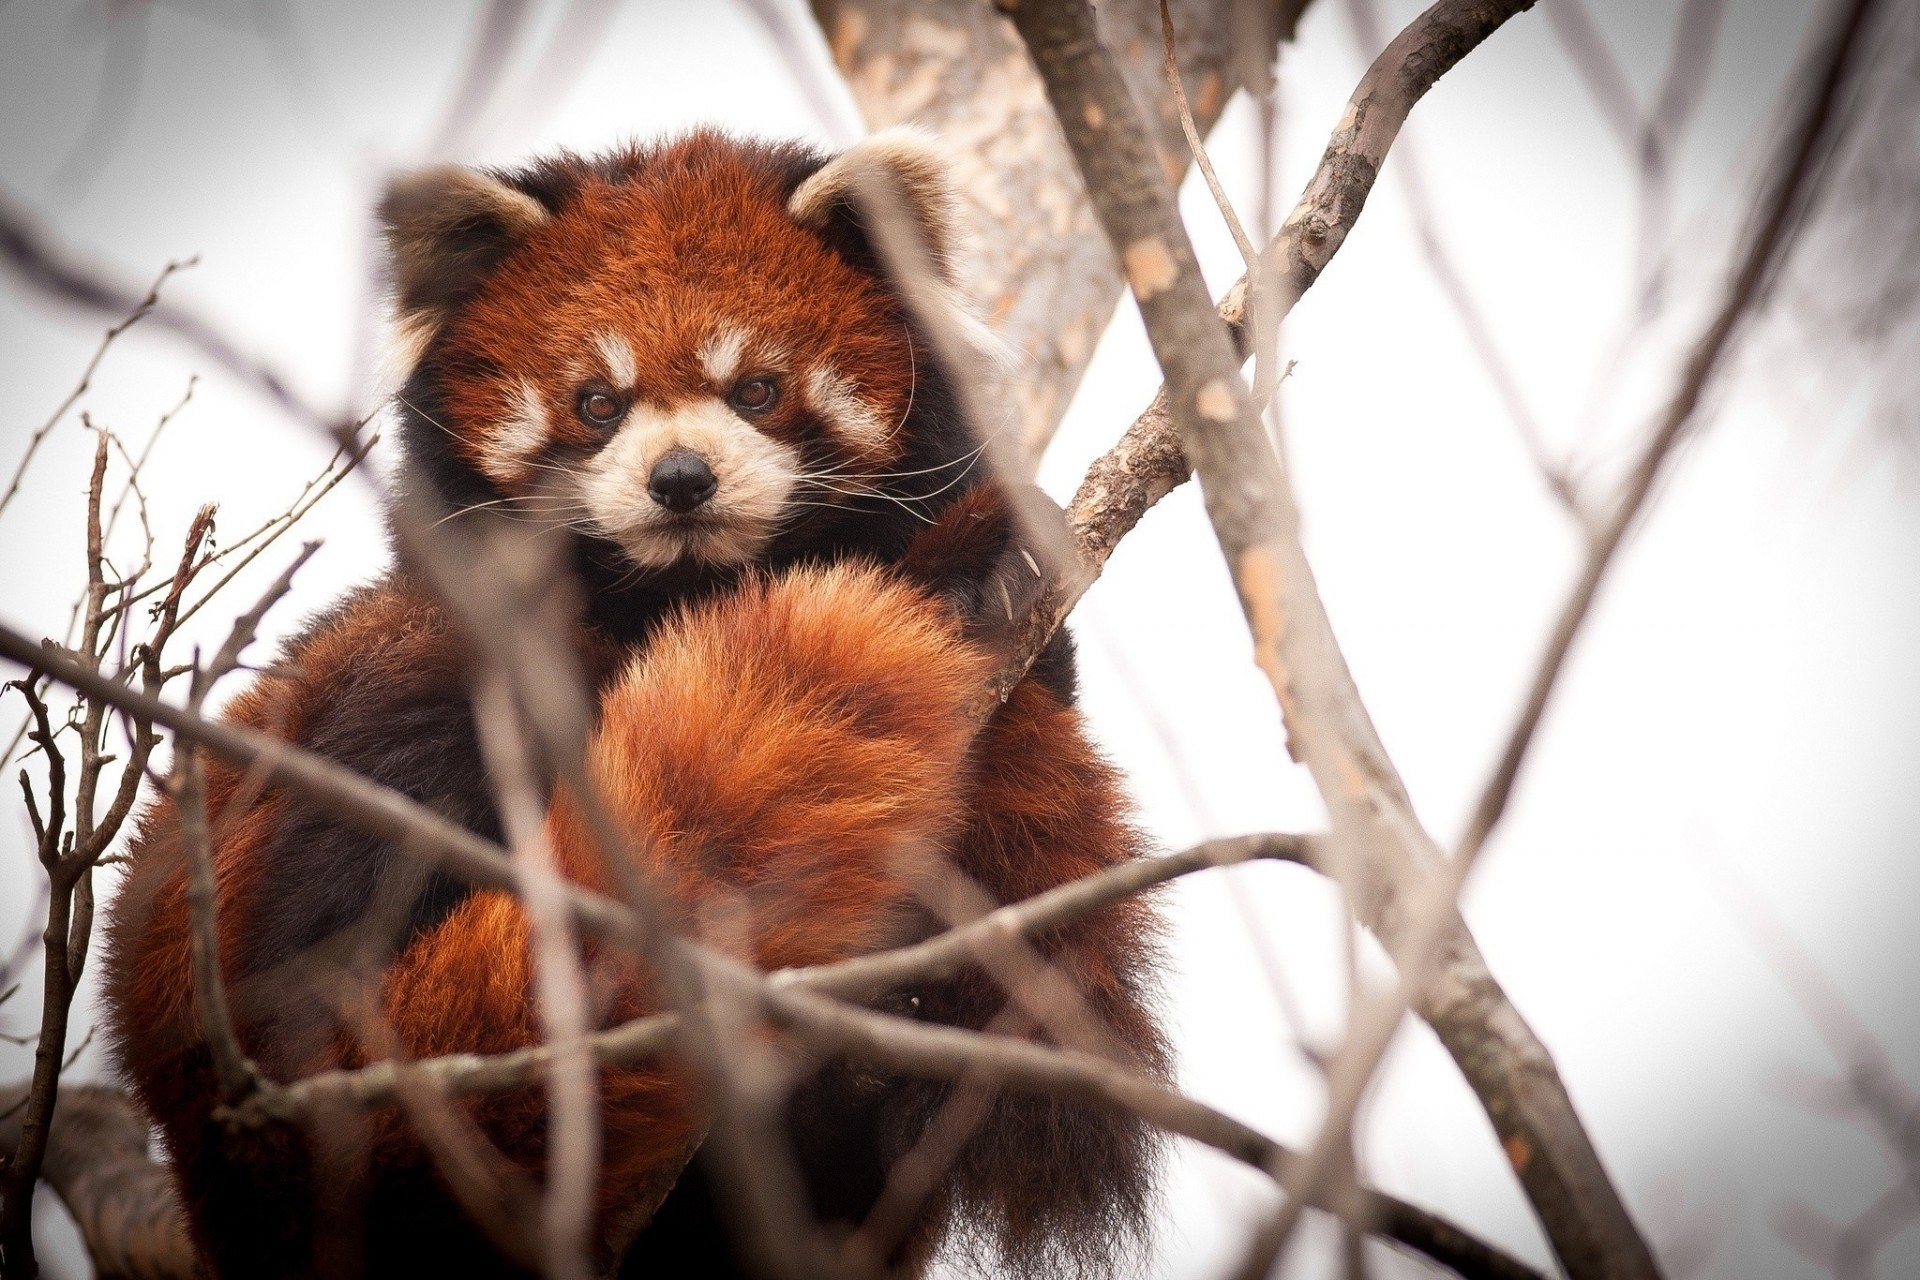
<point x="188" y="790"/>
<point x="137" y="464"/>
<point x="244" y="629"/>
<point x="1248" y="253"/>
<point x="573" y="1149"/>
<point x="236" y="1074"/>
<point x="134" y="314"/>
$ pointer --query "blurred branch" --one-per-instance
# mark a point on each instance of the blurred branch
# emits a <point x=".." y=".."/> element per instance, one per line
<point x="1786" y="192"/>
<point x="1849" y="1250"/>
<point x="125" y="44"/>
<point x="50" y="268"/>
<point x="495" y="38"/>
<point x="1889" y="1105"/>
<point x="776" y="19"/>
<point x="1587" y="49"/>
<point x="573" y="1100"/>
<point x="1665" y="125"/>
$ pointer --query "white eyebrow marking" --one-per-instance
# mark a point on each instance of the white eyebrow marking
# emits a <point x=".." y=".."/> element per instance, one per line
<point x="520" y="434"/>
<point x="834" y="399"/>
<point x="721" y="354"/>
<point x="618" y="354"/>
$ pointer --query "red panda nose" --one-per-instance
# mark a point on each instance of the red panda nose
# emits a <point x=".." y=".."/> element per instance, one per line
<point x="681" y="481"/>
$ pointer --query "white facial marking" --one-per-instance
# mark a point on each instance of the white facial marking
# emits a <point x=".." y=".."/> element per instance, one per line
<point x="618" y="353"/>
<point x="721" y="354"/>
<point x="522" y="433"/>
<point x="835" y="399"/>
<point x="756" y="476"/>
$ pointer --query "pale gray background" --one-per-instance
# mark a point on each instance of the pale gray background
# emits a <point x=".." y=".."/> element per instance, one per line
<point x="1741" y="710"/>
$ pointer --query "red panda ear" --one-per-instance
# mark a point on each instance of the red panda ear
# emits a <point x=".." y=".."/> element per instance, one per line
<point x="907" y="160"/>
<point x="447" y="228"/>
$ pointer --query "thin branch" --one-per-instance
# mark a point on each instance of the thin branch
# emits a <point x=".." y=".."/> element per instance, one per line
<point x="244" y="629"/>
<point x="859" y="978"/>
<point x="134" y="314"/>
<point x="1003" y="1062"/>
<point x="136" y="465"/>
<point x="236" y="1074"/>
<point x="1248" y="253"/>
<point x="946" y="954"/>
<point x="573" y="1100"/>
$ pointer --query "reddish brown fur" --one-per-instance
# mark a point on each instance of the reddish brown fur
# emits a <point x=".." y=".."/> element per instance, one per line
<point x="699" y="238"/>
<point x="801" y="796"/>
<point x="839" y="752"/>
<point x="389" y="634"/>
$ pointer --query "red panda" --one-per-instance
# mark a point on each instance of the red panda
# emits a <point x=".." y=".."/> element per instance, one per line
<point x="687" y="359"/>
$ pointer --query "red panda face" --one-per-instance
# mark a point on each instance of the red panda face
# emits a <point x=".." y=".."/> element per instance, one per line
<point x="675" y="360"/>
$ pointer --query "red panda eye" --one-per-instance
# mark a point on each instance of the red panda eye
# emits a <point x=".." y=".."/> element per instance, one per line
<point x="754" y="395"/>
<point x="600" y="408"/>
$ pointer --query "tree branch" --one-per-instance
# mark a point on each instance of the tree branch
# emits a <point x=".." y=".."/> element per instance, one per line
<point x="1253" y="514"/>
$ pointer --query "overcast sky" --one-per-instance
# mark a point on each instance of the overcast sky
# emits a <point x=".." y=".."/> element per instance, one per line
<point x="1738" y="721"/>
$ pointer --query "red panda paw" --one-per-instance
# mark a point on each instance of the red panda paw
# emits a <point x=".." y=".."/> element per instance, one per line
<point x="779" y="753"/>
<point x="988" y="558"/>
